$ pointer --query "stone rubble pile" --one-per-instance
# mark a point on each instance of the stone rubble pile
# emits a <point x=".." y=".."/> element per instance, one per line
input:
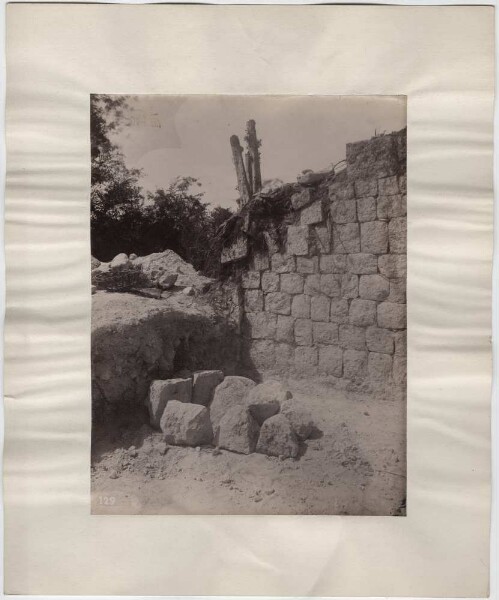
<point x="231" y="412"/>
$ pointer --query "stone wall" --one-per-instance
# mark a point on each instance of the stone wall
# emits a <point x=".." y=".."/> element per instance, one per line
<point x="332" y="302"/>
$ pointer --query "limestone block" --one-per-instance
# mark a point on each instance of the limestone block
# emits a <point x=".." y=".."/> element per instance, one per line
<point x="339" y="310"/>
<point x="303" y="332"/>
<point x="261" y="261"/>
<point x="333" y="263"/>
<point x="261" y="325"/>
<point x="343" y="211"/>
<point x="270" y="281"/>
<point x="392" y="315"/>
<point x="331" y="285"/>
<point x="277" y="438"/>
<point x="393" y="265"/>
<point x="285" y="329"/>
<point x="278" y="303"/>
<point x="167" y="281"/>
<point x="397" y="291"/>
<point x="323" y="238"/>
<point x="297" y="242"/>
<point x="292" y="283"/>
<point x="362" y="312"/>
<point x="379" y="340"/>
<point x="283" y="263"/>
<point x="399" y="370"/>
<point x="253" y="300"/>
<point x="284" y="356"/>
<point x="388" y="186"/>
<point x="307" y="265"/>
<point x="403" y="184"/>
<point x="238" y="431"/>
<point x="379" y="367"/>
<point x="300" y="307"/>
<point x="299" y="417"/>
<point x="392" y="206"/>
<point x="400" y="338"/>
<point x="231" y="392"/>
<point x="346" y="238"/>
<point x="237" y="250"/>
<point x="374" y="237"/>
<point x="352" y="337"/>
<point x="185" y="424"/>
<point x="362" y="264"/>
<point x="341" y="190"/>
<point x="374" y="287"/>
<point x="397" y="234"/>
<point x="312" y="214"/>
<point x="325" y="333"/>
<point x="262" y="354"/>
<point x="377" y="157"/>
<point x="349" y="285"/>
<point x="264" y="400"/>
<point x="250" y="280"/>
<point x="354" y="365"/>
<point x="312" y="285"/>
<point x="302" y="198"/>
<point x="163" y="391"/>
<point x="319" y="308"/>
<point x="366" y="209"/>
<point x="306" y="359"/>
<point x="203" y="386"/>
<point x="331" y="360"/>
<point x="366" y="187"/>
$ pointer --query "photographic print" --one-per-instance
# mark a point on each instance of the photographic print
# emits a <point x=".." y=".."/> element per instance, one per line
<point x="248" y="277"/>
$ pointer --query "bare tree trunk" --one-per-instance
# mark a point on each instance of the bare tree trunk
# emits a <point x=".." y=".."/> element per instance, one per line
<point x="253" y="145"/>
<point x="249" y="172"/>
<point x="242" y="181"/>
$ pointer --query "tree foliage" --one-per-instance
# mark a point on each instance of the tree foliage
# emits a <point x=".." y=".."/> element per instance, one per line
<point x="125" y="219"/>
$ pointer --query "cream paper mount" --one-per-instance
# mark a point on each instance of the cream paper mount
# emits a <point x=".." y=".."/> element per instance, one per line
<point x="441" y="58"/>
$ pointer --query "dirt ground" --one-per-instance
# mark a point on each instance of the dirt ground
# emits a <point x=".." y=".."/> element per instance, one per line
<point x="355" y="465"/>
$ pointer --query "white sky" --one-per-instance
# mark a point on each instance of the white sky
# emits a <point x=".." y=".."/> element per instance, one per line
<point x="174" y="136"/>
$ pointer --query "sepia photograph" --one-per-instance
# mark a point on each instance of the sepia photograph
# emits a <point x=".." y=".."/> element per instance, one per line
<point x="248" y="281"/>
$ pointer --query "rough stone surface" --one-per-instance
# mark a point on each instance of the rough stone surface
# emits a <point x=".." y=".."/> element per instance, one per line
<point x="366" y="209"/>
<point x="392" y="206"/>
<point x="303" y="332"/>
<point x="285" y="329"/>
<point x="307" y="265"/>
<point x="325" y="333"/>
<point x="299" y="417"/>
<point x="397" y="233"/>
<point x="250" y="280"/>
<point x="323" y="238"/>
<point x="167" y="281"/>
<point x="297" y="243"/>
<point x="374" y="287"/>
<point x="374" y="237"/>
<point x="343" y="211"/>
<point x="270" y="281"/>
<point x="277" y="438"/>
<point x="94" y="263"/>
<point x="260" y="325"/>
<point x="300" y="307"/>
<point x="253" y="300"/>
<point x="349" y="286"/>
<point x="339" y="310"/>
<point x="238" y="431"/>
<point x="231" y="392"/>
<point x="186" y="424"/>
<point x="306" y="359"/>
<point x="331" y="360"/>
<point x="283" y="263"/>
<point x="399" y="374"/>
<point x="393" y="265"/>
<point x="302" y="198"/>
<point x="163" y="391"/>
<point x="319" y="308"/>
<point x="262" y="355"/>
<point x="362" y="264"/>
<point x="366" y="187"/>
<point x="264" y="400"/>
<point x="379" y="367"/>
<point x="261" y="261"/>
<point x="278" y="303"/>
<point x="331" y="285"/>
<point x="119" y="261"/>
<point x="354" y="365"/>
<point x="352" y="337"/>
<point x="388" y="186"/>
<point x="391" y="315"/>
<point x="312" y="214"/>
<point x="400" y="338"/>
<point x="346" y="238"/>
<point x="397" y="291"/>
<point x="379" y="340"/>
<point x="292" y="283"/>
<point x="312" y="285"/>
<point x="362" y="312"/>
<point x="284" y="356"/>
<point x="203" y="386"/>
<point x="333" y="263"/>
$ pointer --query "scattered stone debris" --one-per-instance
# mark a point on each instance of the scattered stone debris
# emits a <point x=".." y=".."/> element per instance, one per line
<point x="231" y="392"/>
<point x="204" y="384"/>
<point x="161" y="391"/>
<point x="277" y="438"/>
<point x="186" y="424"/>
<point x="238" y="431"/>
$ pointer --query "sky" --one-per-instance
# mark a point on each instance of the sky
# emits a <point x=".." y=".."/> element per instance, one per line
<point x="171" y="136"/>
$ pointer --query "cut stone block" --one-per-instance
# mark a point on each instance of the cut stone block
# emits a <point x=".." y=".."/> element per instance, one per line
<point x="362" y="312"/>
<point x="354" y="365"/>
<point x="331" y="360"/>
<point x="392" y="206"/>
<point x="250" y="280"/>
<point x="306" y="359"/>
<point x="277" y="438"/>
<point x="397" y="233"/>
<point x="374" y="287"/>
<point x="285" y="329"/>
<point x="307" y="265"/>
<point x="379" y="367"/>
<point x="203" y="386"/>
<point x="163" y="391"/>
<point x="167" y="281"/>
<point x="323" y="238"/>
<point x="270" y="281"/>
<point x="261" y="261"/>
<point x="339" y="310"/>
<point x="352" y="337"/>
<point x="283" y="263"/>
<point x="284" y="357"/>
<point x="292" y="283"/>
<point x="392" y="315"/>
<point x="319" y="308"/>
<point x="264" y="400"/>
<point x="278" y="303"/>
<point x="299" y="417"/>
<point x="343" y="211"/>
<point x="349" y="286"/>
<point x="325" y="333"/>
<point x="388" y="186"/>
<point x="346" y="238"/>
<point x="312" y="214"/>
<point x="403" y="184"/>
<point x="300" y="307"/>
<point x="331" y="285"/>
<point x="260" y="325"/>
<point x="238" y="431"/>
<point x="362" y="264"/>
<point x="236" y="251"/>
<point x="262" y="354"/>
<point x="253" y="300"/>
<point x="231" y="392"/>
<point x="312" y="285"/>
<point x="393" y="265"/>
<point x="302" y="198"/>
<point x="303" y="332"/>
<point x="333" y="263"/>
<point x="374" y="237"/>
<point x="399" y="374"/>
<point x="397" y="291"/>
<point x="341" y="190"/>
<point x="400" y="338"/>
<point x="366" y="187"/>
<point x="379" y="340"/>
<point x="185" y="424"/>
<point x="366" y="209"/>
<point x="297" y="242"/>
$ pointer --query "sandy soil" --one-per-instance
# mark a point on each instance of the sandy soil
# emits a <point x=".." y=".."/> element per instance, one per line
<point x="355" y="466"/>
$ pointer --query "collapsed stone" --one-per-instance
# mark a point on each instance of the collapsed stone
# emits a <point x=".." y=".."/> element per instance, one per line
<point x="231" y="392"/>
<point x="238" y="431"/>
<point x="299" y="417"/>
<point x="162" y="392"/>
<point x="203" y="386"/>
<point x="185" y="424"/>
<point x="264" y="400"/>
<point x="277" y="438"/>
